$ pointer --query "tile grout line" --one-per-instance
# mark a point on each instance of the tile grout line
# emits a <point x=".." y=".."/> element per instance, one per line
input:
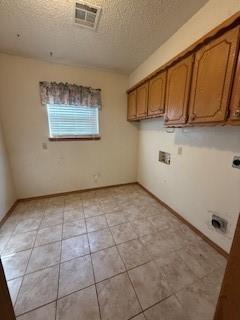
<point x="28" y="262"/>
<point x="60" y="258"/>
<point x="94" y="277"/>
<point x="128" y="275"/>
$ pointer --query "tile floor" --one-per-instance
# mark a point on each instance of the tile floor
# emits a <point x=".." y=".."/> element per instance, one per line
<point x="108" y="254"/>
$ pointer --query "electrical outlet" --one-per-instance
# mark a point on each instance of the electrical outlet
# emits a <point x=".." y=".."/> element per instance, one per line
<point x="164" y="157"/>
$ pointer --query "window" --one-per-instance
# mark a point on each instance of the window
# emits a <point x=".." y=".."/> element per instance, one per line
<point x="73" y="122"/>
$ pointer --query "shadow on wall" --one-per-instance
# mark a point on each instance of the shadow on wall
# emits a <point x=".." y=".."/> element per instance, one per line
<point x="223" y="138"/>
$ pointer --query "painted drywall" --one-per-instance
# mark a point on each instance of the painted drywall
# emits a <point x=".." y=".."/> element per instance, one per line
<point x="7" y="189"/>
<point x="201" y="180"/>
<point x="66" y="165"/>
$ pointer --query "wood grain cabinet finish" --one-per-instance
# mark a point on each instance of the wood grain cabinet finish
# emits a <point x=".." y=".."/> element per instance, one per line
<point x="142" y="101"/>
<point x="234" y="115"/>
<point x="177" y="92"/>
<point x="212" y="79"/>
<point x="156" y="94"/>
<point x="132" y="105"/>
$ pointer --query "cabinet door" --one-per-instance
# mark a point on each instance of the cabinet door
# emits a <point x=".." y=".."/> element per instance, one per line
<point x="156" y="95"/>
<point x="234" y="115"/>
<point x="212" y="78"/>
<point x="142" y="101"/>
<point x="132" y="105"/>
<point x="177" y="93"/>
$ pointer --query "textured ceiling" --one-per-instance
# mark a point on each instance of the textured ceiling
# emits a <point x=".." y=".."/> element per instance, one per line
<point x="128" y="32"/>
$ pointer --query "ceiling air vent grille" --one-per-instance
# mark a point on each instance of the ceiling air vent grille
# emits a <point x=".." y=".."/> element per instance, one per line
<point x="87" y="15"/>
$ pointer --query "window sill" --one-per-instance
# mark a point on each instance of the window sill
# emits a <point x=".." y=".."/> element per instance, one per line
<point x="75" y="138"/>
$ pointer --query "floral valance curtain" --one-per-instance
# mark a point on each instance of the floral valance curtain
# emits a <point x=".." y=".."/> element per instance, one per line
<point x="69" y="94"/>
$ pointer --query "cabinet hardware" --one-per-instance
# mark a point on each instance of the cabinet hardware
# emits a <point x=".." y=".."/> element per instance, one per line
<point x="193" y="117"/>
<point x="237" y="113"/>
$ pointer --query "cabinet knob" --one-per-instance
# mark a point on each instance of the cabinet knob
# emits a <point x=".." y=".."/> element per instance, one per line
<point x="237" y="113"/>
<point x="192" y="117"/>
<point x="166" y="119"/>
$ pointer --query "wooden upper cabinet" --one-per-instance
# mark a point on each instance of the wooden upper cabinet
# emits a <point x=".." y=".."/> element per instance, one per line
<point x="234" y="115"/>
<point x="142" y="100"/>
<point x="212" y="78"/>
<point x="177" y="92"/>
<point x="132" y="105"/>
<point x="156" y="94"/>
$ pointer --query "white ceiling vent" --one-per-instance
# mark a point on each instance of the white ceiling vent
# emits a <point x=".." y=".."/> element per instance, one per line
<point x="87" y="15"/>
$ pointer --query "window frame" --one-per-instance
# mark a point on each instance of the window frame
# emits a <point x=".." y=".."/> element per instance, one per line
<point x="75" y="137"/>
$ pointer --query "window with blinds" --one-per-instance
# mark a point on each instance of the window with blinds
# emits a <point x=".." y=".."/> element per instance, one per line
<point x="72" y="121"/>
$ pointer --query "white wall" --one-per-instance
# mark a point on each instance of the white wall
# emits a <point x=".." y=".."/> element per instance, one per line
<point x="68" y="165"/>
<point x="201" y="180"/>
<point x="7" y="189"/>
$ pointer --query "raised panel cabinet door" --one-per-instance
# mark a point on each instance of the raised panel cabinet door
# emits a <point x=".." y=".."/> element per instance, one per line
<point x="132" y="105"/>
<point x="234" y="115"/>
<point x="142" y="100"/>
<point x="156" y="94"/>
<point x="212" y="78"/>
<point x="177" y="92"/>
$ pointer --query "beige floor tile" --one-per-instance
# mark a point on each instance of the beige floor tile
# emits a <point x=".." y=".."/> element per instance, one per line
<point x="44" y="256"/>
<point x="177" y="273"/>
<point x="49" y="235"/>
<point x="75" y="275"/>
<point x="72" y="229"/>
<point x="73" y="204"/>
<point x="174" y="238"/>
<point x="196" y="301"/>
<point x="134" y="213"/>
<point x="117" y="298"/>
<point x="160" y="222"/>
<point x="52" y="219"/>
<point x="133" y="253"/>
<point x="44" y="313"/>
<point x="79" y="305"/>
<point x="92" y="211"/>
<point x="213" y="282"/>
<point x="37" y="289"/>
<point x="169" y="309"/>
<point x="212" y="255"/>
<point x="4" y="238"/>
<point x="109" y="206"/>
<point x="150" y="284"/>
<point x="20" y="242"/>
<point x="123" y="232"/>
<point x="100" y="239"/>
<point x="28" y="225"/>
<point x="196" y="260"/>
<point x="14" y="286"/>
<point x="15" y="264"/>
<point x="107" y="263"/>
<point x="91" y="202"/>
<point x="116" y="218"/>
<point x="156" y="245"/>
<point x="74" y="247"/>
<point x="96" y="223"/>
<point x="73" y="215"/>
<point x="142" y="227"/>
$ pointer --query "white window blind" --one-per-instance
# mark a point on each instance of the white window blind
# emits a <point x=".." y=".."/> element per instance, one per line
<point x="72" y="121"/>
